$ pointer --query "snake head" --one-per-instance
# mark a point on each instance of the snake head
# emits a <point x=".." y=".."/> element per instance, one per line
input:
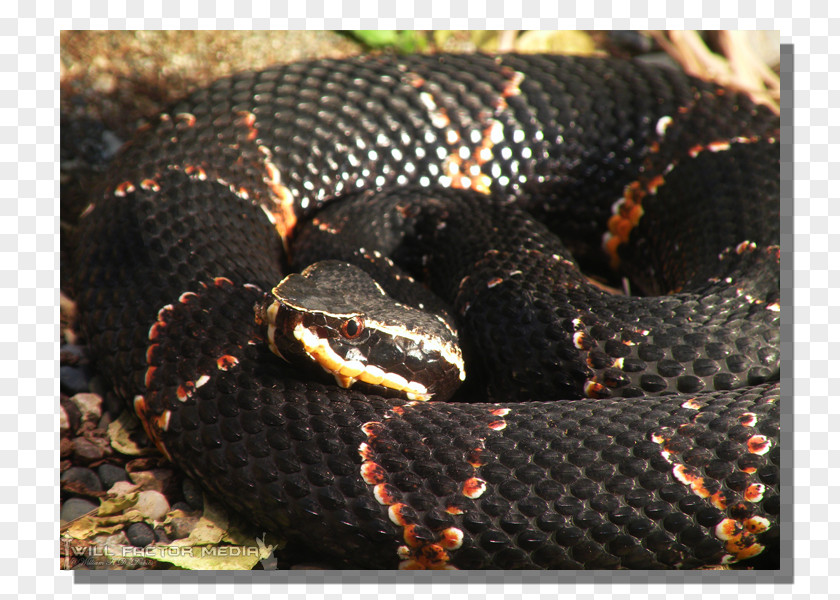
<point x="335" y="316"/>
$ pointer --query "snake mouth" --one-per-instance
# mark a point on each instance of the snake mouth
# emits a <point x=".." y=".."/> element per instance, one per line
<point x="359" y="336"/>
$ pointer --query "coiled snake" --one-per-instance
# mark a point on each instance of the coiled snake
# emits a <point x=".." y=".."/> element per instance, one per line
<point x="593" y="431"/>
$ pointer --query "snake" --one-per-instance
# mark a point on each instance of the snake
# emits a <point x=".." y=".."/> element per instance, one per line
<point x="569" y="426"/>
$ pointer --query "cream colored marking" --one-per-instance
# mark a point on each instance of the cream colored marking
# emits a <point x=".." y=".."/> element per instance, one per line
<point x="452" y="538"/>
<point x="446" y="324"/>
<point x="201" y="381"/>
<point x="164" y="420"/>
<point x="370" y="472"/>
<point x="124" y="188"/>
<point x="365" y="451"/>
<point x="380" y="494"/>
<point x="194" y="172"/>
<point x="395" y="381"/>
<point x="590" y="387"/>
<point x="269" y="216"/>
<point x="662" y="125"/>
<point x="394" y="514"/>
<point x="479" y="487"/>
<point x="226" y="362"/>
<point x="188" y="117"/>
<point x="722" y="529"/>
<point x="760" y="440"/>
<point x="417" y="391"/>
<point x="758" y="524"/>
<point x="757" y="491"/>
<point x="273" y="172"/>
<point x="351" y="368"/>
<point x="321" y="352"/>
<point x="372" y="374"/>
<point x="343" y="380"/>
<point x="719" y="146"/>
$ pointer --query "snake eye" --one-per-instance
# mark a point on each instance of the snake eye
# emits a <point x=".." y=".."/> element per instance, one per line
<point x="352" y="328"/>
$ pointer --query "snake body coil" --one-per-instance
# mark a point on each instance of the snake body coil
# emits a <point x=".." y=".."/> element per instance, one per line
<point x="671" y="458"/>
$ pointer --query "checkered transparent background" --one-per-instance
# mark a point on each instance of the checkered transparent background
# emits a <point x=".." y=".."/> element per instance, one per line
<point x="29" y="276"/>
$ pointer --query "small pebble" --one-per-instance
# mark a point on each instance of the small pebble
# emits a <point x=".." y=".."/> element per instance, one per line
<point x="181" y="527"/>
<point x="74" y="380"/>
<point x="63" y="422"/>
<point x="84" y="476"/>
<point x="122" y="488"/>
<point x="111" y="474"/>
<point x="193" y="494"/>
<point x="150" y="479"/>
<point x="160" y="536"/>
<point x="66" y="447"/>
<point x="111" y="546"/>
<point x="74" y="508"/>
<point x="89" y="404"/>
<point x="140" y="535"/>
<point x="71" y="417"/>
<point x="152" y="505"/>
<point x="86" y="452"/>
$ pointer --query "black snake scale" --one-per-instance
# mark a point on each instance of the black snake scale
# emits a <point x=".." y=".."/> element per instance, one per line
<point x="682" y="473"/>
